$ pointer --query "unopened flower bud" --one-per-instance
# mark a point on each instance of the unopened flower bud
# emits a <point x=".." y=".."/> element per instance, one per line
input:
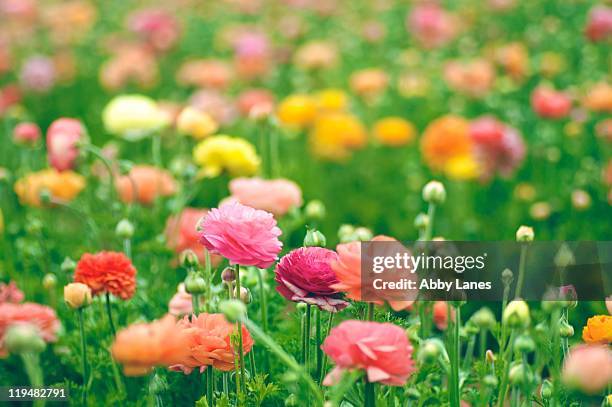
<point x="124" y="229"/>
<point x="77" y="295"/>
<point x="233" y="309"/>
<point x="490" y="381"/>
<point x="507" y="277"/>
<point x="346" y="233"/>
<point x="421" y="221"/>
<point x="516" y="314"/>
<point x="228" y="275"/>
<point x="314" y="238"/>
<point x="546" y="391"/>
<point x="564" y="257"/>
<point x="23" y="338"/>
<point x="525" y="234"/>
<point x="490" y="356"/>
<point x="608" y="401"/>
<point x="519" y="375"/>
<point x="301" y="306"/>
<point x="195" y="284"/>
<point x="363" y="234"/>
<point x="484" y="318"/>
<point x="430" y="351"/>
<point x="125" y="167"/>
<point x="68" y="265"/>
<point x="315" y="210"/>
<point x="434" y="192"/>
<point x="524" y="344"/>
<point x="565" y="329"/>
<point x="189" y="259"/>
<point x="49" y="281"/>
<point x="245" y="295"/>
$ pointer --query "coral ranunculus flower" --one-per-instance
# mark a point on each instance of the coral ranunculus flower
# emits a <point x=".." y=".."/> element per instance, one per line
<point x="140" y="347"/>
<point x="40" y="316"/>
<point x="62" y="138"/>
<point x="62" y="186"/>
<point x="10" y="293"/>
<point x="150" y="182"/>
<point x="382" y="350"/>
<point x="107" y="272"/>
<point x="210" y="342"/>
<point x="244" y="235"/>
<point x="220" y="153"/>
<point x="445" y="139"/>
<point x="394" y="131"/>
<point x="181" y="233"/>
<point x="305" y="275"/>
<point x="598" y="329"/>
<point x="549" y="103"/>
<point x="588" y="368"/>
<point x="277" y="195"/>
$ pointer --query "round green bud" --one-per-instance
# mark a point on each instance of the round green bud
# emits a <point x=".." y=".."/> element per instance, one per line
<point x="421" y="221"/>
<point x="23" y="338"/>
<point x="189" y="259"/>
<point x="315" y="210"/>
<point x="195" y="284"/>
<point x="546" y="390"/>
<point x="232" y="309"/>
<point x="124" y="229"/>
<point x="314" y="238"/>
<point x="516" y="314"/>
<point x="49" y="281"/>
<point x="484" y="318"/>
<point x="507" y="277"/>
<point x="525" y="234"/>
<point x="490" y="381"/>
<point x="524" y="344"/>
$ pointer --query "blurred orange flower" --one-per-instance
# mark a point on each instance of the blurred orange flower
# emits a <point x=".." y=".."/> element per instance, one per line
<point x="599" y="98"/>
<point x="297" y="110"/>
<point x="150" y="182"/>
<point x="598" y="329"/>
<point x="62" y="186"/>
<point x="514" y="58"/>
<point x="335" y="135"/>
<point x="394" y="131"/>
<point x="445" y="140"/>
<point x="369" y="83"/>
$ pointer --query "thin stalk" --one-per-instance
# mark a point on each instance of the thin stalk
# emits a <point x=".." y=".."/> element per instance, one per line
<point x="195" y="303"/>
<point x="521" y="275"/>
<point x="209" y="386"/>
<point x="483" y="343"/>
<point x="263" y="302"/>
<point x="324" y="365"/>
<point x="95" y="151"/>
<point x="503" y="388"/>
<point x="109" y="313"/>
<point x="127" y="248"/>
<point x="307" y="338"/>
<point x="240" y="339"/>
<point x="370" y="392"/>
<point x="31" y="362"/>
<point x="83" y="357"/>
<point x="456" y="350"/>
<point x="318" y="334"/>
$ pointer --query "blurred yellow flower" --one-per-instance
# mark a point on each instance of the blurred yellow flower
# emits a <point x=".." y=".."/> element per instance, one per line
<point x="331" y="100"/>
<point x="195" y="123"/>
<point x="334" y="135"/>
<point x="462" y="167"/>
<point x="62" y="186"/>
<point x="394" y="131"/>
<point x="133" y="117"/>
<point x="224" y="153"/>
<point x="297" y="110"/>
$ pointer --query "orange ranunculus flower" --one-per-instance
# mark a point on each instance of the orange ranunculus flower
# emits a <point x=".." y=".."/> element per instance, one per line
<point x="142" y="346"/>
<point x="107" y="272"/>
<point x="334" y="135"/>
<point x="598" y="329"/>
<point x="444" y="140"/>
<point x="394" y="131"/>
<point x="210" y="342"/>
<point x="599" y="98"/>
<point x="62" y="186"/>
<point x="150" y="182"/>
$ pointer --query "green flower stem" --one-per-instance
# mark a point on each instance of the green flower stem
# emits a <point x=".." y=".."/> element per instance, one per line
<point x="288" y="360"/>
<point x="346" y="382"/>
<point x="307" y="338"/>
<point x="324" y="364"/>
<point x="95" y="151"/>
<point x="31" y="363"/>
<point x="195" y="303"/>
<point x="469" y="353"/>
<point x="455" y="356"/>
<point x="431" y="213"/>
<point x="521" y="271"/>
<point x="209" y="276"/>
<point x="303" y="327"/>
<point x="263" y="302"/>
<point x="109" y="313"/>
<point x="503" y="387"/>
<point x="556" y="357"/>
<point x="483" y="343"/>
<point x="127" y="248"/>
<point x="209" y="386"/>
<point x="318" y="328"/>
<point x="370" y="391"/>
<point x="84" y="357"/>
<point x="240" y="339"/>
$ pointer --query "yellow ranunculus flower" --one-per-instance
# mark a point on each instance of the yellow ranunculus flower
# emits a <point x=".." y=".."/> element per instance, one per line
<point x="394" y="131"/>
<point x="462" y="167"/>
<point x="297" y="111"/>
<point x="63" y="186"/>
<point x="334" y="135"/>
<point x="331" y="100"/>
<point x="195" y="123"/>
<point x="224" y="153"/>
<point x="133" y="117"/>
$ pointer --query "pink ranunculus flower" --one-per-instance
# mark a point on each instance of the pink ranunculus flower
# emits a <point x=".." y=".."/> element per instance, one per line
<point x="305" y="275"/>
<point x="38" y="74"/>
<point x="381" y="349"/>
<point x="431" y="25"/>
<point x="242" y="234"/>
<point x="157" y="27"/>
<point x="10" y="293"/>
<point x="27" y="133"/>
<point x="40" y="316"/>
<point x="550" y="103"/>
<point x="277" y="196"/>
<point x="181" y="303"/>
<point x="599" y="24"/>
<point x="62" y="138"/>
<point x="588" y="368"/>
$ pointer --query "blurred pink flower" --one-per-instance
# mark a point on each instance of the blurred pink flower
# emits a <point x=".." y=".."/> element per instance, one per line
<point x="498" y="147"/>
<point x="431" y="25"/>
<point x="157" y="27"/>
<point x="599" y="24"/>
<point x="181" y="233"/>
<point x="440" y="314"/>
<point x="217" y="105"/>
<point x="588" y="368"/>
<point x="549" y="103"/>
<point x="277" y="195"/>
<point x="181" y="303"/>
<point x="9" y="96"/>
<point x="382" y="350"/>
<point x="38" y="73"/>
<point x="40" y="316"/>
<point x="261" y="99"/>
<point x="26" y="133"/>
<point x="305" y="275"/>
<point x="10" y="293"/>
<point x="62" y="138"/>
<point x="244" y="235"/>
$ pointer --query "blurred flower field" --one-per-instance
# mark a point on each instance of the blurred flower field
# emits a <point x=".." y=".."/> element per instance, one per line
<point x="185" y="186"/>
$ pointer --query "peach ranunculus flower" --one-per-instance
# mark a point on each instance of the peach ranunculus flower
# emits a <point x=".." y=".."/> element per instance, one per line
<point x="181" y="234"/>
<point x="474" y="78"/>
<point x="369" y="83"/>
<point x="348" y="272"/>
<point x="205" y="73"/>
<point x="181" y="303"/>
<point x="382" y="350"/>
<point x="210" y="342"/>
<point x="142" y="346"/>
<point x="514" y="58"/>
<point x="599" y="98"/>
<point x="588" y="368"/>
<point x="277" y="196"/>
<point x="598" y="329"/>
<point x="316" y="55"/>
<point x="150" y="182"/>
<point x="62" y="186"/>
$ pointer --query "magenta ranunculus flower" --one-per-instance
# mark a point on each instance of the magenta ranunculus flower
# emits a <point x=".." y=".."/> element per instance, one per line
<point x="382" y="350"/>
<point x="305" y="275"/>
<point x="62" y="138"/>
<point x="244" y="235"/>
